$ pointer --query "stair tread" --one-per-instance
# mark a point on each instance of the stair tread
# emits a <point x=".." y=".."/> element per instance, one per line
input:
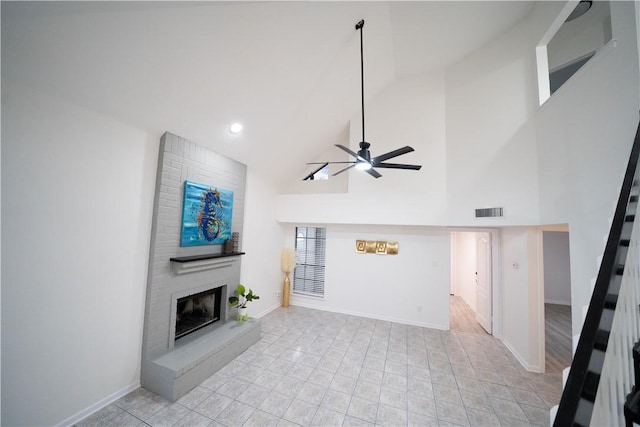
<point x="610" y="301"/>
<point x="602" y="339"/>
<point x="590" y="387"/>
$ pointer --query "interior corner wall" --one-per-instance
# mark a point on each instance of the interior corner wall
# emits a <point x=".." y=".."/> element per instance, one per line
<point x="585" y="132"/>
<point x="262" y="240"/>
<point x="77" y="196"/>
<point x="411" y="287"/>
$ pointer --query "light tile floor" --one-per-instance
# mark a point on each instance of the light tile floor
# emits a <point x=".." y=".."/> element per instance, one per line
<point x="315" y="368"/>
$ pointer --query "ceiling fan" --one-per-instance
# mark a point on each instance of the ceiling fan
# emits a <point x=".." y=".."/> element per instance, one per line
<point x="363" y="159"/>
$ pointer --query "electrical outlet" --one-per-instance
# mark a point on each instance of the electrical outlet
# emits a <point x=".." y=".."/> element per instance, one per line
<point x="278" y="293"/>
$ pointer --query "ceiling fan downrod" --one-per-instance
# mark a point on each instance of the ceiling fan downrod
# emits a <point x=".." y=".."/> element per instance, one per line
<point x="363" y="159"/>
<point x="359" y="26"/>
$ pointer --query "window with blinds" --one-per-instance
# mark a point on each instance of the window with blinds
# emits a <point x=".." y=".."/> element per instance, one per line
<point x="308" y="276"/>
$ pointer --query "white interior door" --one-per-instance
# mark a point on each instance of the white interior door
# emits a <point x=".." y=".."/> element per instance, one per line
<point x="483" y="281"/>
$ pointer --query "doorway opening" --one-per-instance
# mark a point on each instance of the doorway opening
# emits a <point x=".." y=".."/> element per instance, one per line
<point x="557" y="299"/>
<point x="471" y="299"/>
<point x="578" y="33"/>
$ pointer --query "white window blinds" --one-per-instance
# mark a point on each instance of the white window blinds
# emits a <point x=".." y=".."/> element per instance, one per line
<point x="308" y="276"/>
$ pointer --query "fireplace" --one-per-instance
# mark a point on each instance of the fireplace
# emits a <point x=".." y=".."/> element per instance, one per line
<point x="196" y="311"/>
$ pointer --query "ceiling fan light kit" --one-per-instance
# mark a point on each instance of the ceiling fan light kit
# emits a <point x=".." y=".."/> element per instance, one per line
<point x="363" y="159"/>
<point x="363" y="166"/>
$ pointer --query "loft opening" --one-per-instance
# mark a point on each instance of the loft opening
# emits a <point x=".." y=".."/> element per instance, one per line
<point x="580" y="30"/>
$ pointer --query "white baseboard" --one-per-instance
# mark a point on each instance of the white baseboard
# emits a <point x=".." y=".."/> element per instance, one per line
<point x="523" y="362"/>
<point x="268" y="310"/>
<point x="99" y="405"/>
<point x="372" y="316"/>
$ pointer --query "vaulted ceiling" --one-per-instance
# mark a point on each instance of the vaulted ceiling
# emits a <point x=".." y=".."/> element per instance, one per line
<point x="289" y="71"/>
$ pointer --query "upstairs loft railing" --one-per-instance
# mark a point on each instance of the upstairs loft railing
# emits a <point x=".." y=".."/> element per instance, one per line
<point x="579" y="395"/>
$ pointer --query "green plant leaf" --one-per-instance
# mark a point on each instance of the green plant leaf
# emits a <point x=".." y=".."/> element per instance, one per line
<point x="233" y="301"/>
<point x="240" y="290"/>
<point x="251" y="296"/>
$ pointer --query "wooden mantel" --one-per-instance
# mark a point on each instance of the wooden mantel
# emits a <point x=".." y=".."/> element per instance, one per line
<point x="189" y="264"/>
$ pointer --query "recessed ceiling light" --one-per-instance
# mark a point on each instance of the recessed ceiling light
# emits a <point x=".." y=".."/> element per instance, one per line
<point x="235" y="128"/>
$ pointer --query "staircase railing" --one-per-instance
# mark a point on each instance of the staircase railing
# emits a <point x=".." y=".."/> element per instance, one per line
<point x="618" y="373"/>
<point x="594" y="346"/>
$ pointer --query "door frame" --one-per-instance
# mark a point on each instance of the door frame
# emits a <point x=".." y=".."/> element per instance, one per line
<point x="483" y="264"/>
<point x="496" y="276"/>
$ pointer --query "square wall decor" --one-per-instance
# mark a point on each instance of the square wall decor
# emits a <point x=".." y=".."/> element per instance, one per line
<point x="376" y="247"/>
<point x="206" y="215"/>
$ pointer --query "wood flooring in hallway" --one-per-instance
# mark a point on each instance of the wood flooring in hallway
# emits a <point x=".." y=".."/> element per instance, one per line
<point x="463" y="318"/>
<point x="557" y="337"/>
<point x="557" y="330"/>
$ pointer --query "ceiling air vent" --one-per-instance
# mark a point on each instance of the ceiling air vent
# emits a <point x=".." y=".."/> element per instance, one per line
<point x="489" y="212"/>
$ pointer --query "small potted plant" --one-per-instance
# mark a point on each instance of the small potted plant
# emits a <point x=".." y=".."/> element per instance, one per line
<point x="241" y="300"/>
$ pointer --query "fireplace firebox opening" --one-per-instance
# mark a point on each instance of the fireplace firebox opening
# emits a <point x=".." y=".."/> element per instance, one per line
<point x="197" y="311"/>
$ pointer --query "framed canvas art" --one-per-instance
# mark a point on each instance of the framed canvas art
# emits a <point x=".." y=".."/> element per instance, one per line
<point x="206" y="215"/>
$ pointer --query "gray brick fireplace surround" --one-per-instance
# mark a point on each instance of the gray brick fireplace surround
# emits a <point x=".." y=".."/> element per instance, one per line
<point x="169" y="368"/>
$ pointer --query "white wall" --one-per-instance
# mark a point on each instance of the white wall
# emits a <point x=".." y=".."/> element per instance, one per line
<point x="336" y="184"/>
<point x="466" y="266"/>
<point x="557" y="272"/>
<point x="262" y="241"/>
<point x="409" y="112"/>
<point x="585" y="131"/>
<point x="77" y="202"/>
<point x="491" y="142"/>
<point x="522" y="306"/>
<point x="561" y="163"/>
<point x="411" y="287"/>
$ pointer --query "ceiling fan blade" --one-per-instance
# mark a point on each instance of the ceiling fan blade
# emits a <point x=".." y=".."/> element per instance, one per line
<point x="342" y="170"/>
<point x="398" y="166"/>
<point x="343" y="148"/>
<point x="374" y="173"/>
<point x="326" y="163"/>
<point x="310" y="176"/>
<point x="391" y="154"/>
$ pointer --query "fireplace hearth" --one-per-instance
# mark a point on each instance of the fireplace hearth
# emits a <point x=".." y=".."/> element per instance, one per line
<point x="196" y="311"/>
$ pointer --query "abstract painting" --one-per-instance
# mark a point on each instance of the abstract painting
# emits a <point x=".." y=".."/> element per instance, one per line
<point x="206" y="215"/>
